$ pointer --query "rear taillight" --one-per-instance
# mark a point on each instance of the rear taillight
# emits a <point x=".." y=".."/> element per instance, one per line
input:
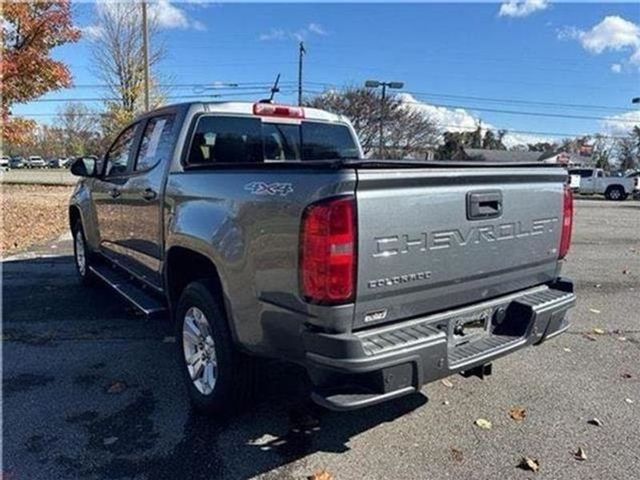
<point x="567" y="222"/>
<point x="328" y="251"/>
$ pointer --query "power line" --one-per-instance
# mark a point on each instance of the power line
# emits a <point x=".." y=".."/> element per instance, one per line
<point x="513" y="112"/>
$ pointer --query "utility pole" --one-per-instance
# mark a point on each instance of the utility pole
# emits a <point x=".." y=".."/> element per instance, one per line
<point x="145" y="52"/>
<point x="301" y="53"/>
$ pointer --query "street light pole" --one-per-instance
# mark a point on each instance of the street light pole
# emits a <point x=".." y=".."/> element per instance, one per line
<point x="384" y="85"/>
<point x="382" y="112"/>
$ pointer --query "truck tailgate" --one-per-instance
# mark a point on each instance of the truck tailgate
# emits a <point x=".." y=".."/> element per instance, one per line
<point x="432" y="239"/>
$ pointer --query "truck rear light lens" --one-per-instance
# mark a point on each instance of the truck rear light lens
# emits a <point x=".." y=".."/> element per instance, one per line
<point x="270" y="110"/>
<point x="567" y="222"/>
<point x="328" y="252"/>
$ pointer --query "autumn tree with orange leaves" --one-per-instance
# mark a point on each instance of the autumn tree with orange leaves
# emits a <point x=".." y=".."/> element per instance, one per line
<point x="30" y="30"/>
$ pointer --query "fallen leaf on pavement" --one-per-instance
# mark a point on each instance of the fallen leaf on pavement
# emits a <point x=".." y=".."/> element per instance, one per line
<point x="447" y="383"/>
<point x="595" y="421"/>
<point x="626" y="375"/>
<point x="518" y="414"/>
<point x="456" y="454"/>
<point x="625" y="272"/>
<point x="597" y="285"/>
<point x="109" y="441"/>
<point x="566" y="349"/>
<point x="594" y="310"/>
<point x="598" y="331"/>
<point x="117" y="387"/>
<point x="589" y="337"/>
<point x="580" y="454"/>
<point x="483" y="423"/>
<point x="321" y="475"/>
<point x="628" y="400"/>
<point x="527" y="463"/>
<point x="446" y="402"/>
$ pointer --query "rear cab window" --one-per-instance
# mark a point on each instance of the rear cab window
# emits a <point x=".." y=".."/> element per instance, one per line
<point x="250" y="139"/>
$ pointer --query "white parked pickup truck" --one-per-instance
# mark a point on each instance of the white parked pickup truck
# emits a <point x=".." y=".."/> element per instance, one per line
<point x="595" y="181"/>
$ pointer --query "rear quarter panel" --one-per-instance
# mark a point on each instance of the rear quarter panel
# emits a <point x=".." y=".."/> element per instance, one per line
<point x="247" y="222"/>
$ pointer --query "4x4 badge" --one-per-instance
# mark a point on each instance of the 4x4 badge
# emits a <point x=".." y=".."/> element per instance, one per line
<point x="263" y="188"/>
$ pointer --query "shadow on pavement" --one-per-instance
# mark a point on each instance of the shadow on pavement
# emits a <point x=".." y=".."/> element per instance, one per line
<point x="64" y="343"/>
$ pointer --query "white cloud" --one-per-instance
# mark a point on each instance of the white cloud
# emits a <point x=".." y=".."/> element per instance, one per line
<point x="621" y="124"/>
<point x="92" y="32"/>
<point x="273" y="34"/>
<point x="168" y="15"/>
<point x="317" y="29"/>
<point x="459" y="119"/>
<point x="165" y="13"/>
<point x="616" y="68"/>
<point x="613" y="33"/>
<point x="513" y="8"/>
<point x="298" y="35"/>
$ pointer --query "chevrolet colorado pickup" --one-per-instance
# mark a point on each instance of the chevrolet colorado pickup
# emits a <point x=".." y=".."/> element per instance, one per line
<point x="261" y="231"/>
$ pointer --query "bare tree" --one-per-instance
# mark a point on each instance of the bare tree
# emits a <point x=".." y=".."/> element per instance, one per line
<point x="79" y="127"/>
<point x="118" y="59"/>
<point x="408" y="133"/>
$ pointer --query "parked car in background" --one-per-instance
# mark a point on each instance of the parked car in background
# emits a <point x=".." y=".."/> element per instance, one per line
<point x="635" y="176"/>
<point x="56" y="162"/>
<point x="17" y="162"/>
<point x="36" y="161"/>
<point x="4" y="163"/>
<point x="595" y="181"/>
<point x="263" y="232"/>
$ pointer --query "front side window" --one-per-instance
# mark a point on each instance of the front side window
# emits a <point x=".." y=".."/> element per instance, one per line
<point x="118" y="155"/>
<point x="156" y="142"/>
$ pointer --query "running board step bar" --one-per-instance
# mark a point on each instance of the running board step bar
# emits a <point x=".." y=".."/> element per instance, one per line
<point x="136" y="295"/>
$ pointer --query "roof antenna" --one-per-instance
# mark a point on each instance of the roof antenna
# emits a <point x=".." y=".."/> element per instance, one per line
<point x="275" y="89"/>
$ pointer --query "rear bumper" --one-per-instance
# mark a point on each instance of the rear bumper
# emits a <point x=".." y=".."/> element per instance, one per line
<point x="363" y="368"/>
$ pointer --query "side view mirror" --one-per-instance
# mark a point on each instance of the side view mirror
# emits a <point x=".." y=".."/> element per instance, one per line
<point x="84" y="167"/>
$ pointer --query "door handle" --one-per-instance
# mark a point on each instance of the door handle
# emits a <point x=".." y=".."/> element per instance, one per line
<point x="115" y="193"/>
<point x="484" y="204"/>
<point x="149" y="194"/>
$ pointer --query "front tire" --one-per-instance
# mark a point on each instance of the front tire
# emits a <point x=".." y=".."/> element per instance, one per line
<point x="81" y="255"/>
<point x="615" y="194"/>
<point x="219" y="378"/>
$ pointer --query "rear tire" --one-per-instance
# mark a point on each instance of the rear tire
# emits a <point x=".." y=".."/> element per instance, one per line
<point x="82" y="255"/>
<point x="219" y="378"/>
<point x="615" y="193"/>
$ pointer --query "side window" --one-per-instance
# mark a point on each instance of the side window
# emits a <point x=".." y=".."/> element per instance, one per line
<point x="323" y="141"/>
<point x="226" y="140"/>
<point x="156" y="142"/>
<point x="600" y="174"/>
<point x="586" y="173"/>
<point x="118" y="155"/>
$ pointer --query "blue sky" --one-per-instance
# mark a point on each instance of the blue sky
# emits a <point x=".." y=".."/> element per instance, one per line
<point x="480" y="57"/>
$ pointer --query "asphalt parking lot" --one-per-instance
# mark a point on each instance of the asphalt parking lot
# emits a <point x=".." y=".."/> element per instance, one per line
<point x="91" y="390"/>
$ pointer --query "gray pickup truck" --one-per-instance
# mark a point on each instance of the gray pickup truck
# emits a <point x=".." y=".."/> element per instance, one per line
<point x="261" y="231"/>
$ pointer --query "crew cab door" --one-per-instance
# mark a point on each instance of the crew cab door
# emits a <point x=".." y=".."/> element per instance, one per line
<point x="588" y="181"/>
<point x="108" y="187"/>
<point x="136" y="239"/>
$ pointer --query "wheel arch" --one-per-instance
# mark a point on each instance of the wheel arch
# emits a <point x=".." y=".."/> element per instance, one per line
<point x="184" y="265"/>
